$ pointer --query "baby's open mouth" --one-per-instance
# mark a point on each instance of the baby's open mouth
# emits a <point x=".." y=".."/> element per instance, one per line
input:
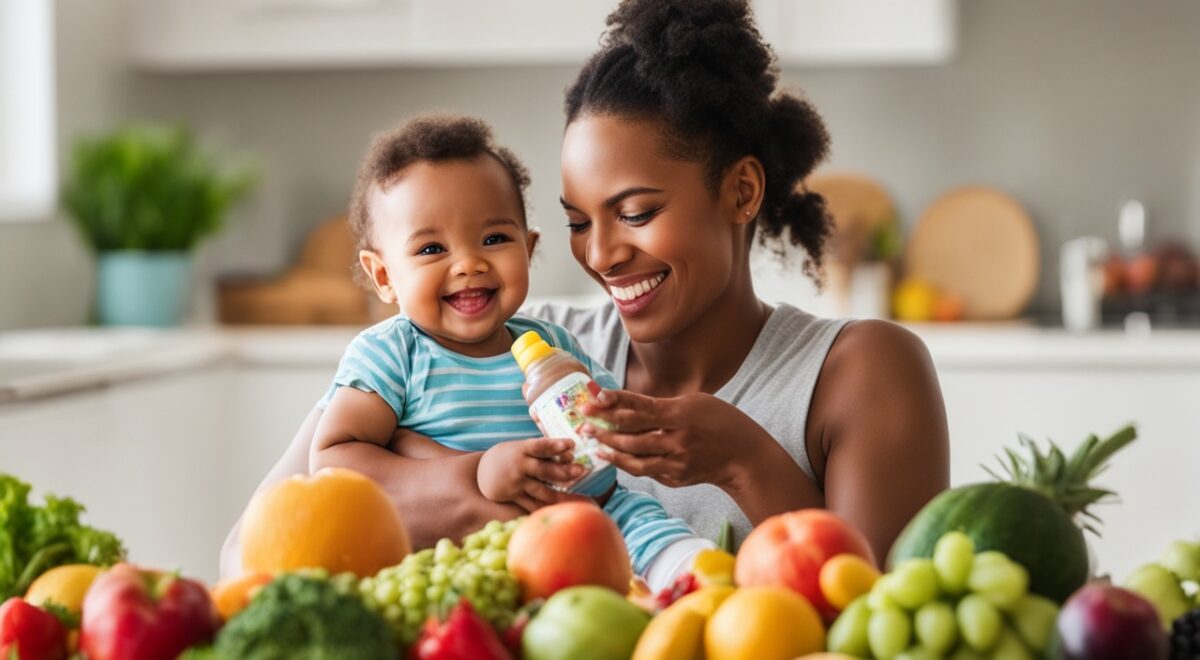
<point x="470" y="301"/>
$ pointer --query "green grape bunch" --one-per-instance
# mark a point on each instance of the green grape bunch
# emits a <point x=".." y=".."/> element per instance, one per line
<point x="432" y="580"/>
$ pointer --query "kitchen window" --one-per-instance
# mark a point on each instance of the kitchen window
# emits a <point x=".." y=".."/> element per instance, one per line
<point x="27" y="114"/>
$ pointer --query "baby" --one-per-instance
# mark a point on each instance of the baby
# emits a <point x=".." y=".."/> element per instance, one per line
<point x="439" y="215"/>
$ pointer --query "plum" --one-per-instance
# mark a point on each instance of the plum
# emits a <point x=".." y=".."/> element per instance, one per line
<point x="1103" y="622"/>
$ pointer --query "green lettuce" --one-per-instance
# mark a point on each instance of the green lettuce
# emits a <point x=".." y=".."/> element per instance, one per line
<point x="35" y="539"/>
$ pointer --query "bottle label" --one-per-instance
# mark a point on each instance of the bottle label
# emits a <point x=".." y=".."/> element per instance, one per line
<point x="558" y="410"/>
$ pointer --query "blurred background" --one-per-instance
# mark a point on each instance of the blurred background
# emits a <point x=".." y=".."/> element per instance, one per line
<point x="1018" y="180"/>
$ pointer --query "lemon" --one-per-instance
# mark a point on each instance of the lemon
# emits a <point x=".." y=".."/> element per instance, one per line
<point x="713" y="567"/>
<point x="63" y="585"/>
<point x="914" y="300"/>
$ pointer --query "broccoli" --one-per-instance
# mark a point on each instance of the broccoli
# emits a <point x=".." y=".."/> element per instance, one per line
<point x="304" y="618"/>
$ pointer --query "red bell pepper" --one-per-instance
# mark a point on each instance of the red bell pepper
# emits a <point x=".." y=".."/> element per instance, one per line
<point x="30" y="633"/>
<point x="464" y="635"/>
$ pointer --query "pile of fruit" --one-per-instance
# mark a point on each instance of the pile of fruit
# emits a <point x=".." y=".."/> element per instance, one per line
<point x="994" y="570"/>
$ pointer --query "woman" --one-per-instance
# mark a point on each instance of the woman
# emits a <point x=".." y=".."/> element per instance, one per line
<point x="678" y="153"/>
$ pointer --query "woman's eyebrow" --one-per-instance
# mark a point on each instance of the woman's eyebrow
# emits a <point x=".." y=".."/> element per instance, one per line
<point x="617" y="198"/>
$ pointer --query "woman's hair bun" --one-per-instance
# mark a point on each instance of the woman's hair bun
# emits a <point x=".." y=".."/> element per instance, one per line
<point x="695" y="53"/>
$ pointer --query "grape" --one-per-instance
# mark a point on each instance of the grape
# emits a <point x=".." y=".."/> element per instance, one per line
<point x="966" y="653"/>
<point x="978" y="622"/>
<point x="935" y="627"/>
<point x="427" y="581"/>
<point x="848" y="634"/>
<point x="888" y="632"/>
<point x="1033" y="618"/>
<point x="952" y="557"/>
<point x="918" y="653"/>
<point x="1010" y="647"/>
<point x="913" y="583"/>
<point x="879" y="597"/>
<point x="998" y="579"/>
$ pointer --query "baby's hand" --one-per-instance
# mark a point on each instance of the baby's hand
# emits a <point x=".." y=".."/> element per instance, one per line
<point x="517" y="471"/>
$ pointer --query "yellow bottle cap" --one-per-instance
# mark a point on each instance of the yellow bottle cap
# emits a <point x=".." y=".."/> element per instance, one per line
<point x="529" y="348"/>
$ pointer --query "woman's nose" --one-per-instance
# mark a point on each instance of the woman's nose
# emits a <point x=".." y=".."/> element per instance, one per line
<point x="606" y="248"/>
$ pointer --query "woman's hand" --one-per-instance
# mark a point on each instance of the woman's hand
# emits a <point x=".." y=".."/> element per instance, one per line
<point x="677" y="441"/>
<point x="517" y="471"/>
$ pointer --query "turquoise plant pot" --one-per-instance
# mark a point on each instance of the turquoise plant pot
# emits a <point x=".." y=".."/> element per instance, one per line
<point x="143" y="288"/>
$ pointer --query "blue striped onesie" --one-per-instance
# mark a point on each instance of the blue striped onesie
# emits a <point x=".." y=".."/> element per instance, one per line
<point x="470" y="404"/>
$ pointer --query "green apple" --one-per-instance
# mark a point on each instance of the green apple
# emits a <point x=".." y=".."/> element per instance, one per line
<point x="1182" y="559"/>
<point x="1160" y="586"/>
<point x="584" y="623"/>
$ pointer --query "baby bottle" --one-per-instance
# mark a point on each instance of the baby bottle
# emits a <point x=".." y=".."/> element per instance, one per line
<point x="558" y="385"/>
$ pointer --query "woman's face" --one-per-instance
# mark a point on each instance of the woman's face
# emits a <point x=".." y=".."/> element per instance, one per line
<point x="645" y="226"/>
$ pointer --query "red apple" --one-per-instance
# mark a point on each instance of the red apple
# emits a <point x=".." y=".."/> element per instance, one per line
<point x="789" y="550"/>
<point x="129" y="613"/>
<point x="568" y="544"/>
<point x="1103" y="622"/>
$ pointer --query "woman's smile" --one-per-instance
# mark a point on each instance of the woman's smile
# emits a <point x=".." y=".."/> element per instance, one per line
<point x="634" y="293"/>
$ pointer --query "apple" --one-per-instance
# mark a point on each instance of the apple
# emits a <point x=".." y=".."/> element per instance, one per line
<point x="789" y="550"/>
<point x="566" y="545"/>
<point x="1103" y="622"/>
<point x="148" y="615"/>
<point x="1183" y="559"/>
<point x="584" y="622"/>
<point x="1160" y="586"/>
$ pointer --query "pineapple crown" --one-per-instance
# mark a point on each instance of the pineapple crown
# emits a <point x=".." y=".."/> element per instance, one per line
<point x="1063" y="480"/>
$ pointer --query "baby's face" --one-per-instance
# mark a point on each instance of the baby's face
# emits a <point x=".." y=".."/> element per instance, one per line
<point x="452" y="241"/>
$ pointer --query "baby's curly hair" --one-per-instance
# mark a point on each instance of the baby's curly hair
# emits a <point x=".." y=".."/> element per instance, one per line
<point x="432" y="138"/>
<point x="702" y="71"/>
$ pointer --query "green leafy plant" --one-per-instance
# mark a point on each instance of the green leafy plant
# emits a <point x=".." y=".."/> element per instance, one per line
<point x="149" y="188"/>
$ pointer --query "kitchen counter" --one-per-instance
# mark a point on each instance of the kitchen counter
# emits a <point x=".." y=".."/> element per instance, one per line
<point x="41" y="363"/>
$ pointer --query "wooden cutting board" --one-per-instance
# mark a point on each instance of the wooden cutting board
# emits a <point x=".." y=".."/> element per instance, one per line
<point x="858" y="204"/>
<point x="979" y="243"/>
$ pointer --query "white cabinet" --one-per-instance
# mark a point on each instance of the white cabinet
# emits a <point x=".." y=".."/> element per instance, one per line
<point x="308" y="34"/>
<point x="166" y="463"/>
<point x="859" y="31"/>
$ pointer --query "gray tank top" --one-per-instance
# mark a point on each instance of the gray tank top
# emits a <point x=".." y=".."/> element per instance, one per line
<point x="773" y="386"/>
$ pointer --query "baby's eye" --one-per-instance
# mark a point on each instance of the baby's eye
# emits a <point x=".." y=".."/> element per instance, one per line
<point x="496" y="239"/>
<point x="432" y="248"/>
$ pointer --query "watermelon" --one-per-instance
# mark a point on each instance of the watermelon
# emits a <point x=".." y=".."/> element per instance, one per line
<point x="1036" y="515"/>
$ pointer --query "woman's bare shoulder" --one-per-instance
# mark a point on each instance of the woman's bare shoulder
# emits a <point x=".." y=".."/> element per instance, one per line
<point x="875" y="346"/>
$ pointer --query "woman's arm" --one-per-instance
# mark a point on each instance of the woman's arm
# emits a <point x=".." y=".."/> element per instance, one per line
<point x="434" y="501"/>
<point x="878" y="421"/>
<point x="876" y="435"/>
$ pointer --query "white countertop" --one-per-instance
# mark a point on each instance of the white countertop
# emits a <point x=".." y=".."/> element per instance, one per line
<point x="40" y="363"/>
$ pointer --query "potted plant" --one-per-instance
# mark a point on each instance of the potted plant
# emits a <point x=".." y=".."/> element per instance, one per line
<point x="142" y="197"/>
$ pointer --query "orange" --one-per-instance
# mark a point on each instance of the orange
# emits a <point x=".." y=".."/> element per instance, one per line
<point x="846" y="577"/>
<point x="336" y="519"/>
<point x="763" y="623"/>
<point x="64" y="585"/>
<point x="232" y="595"/>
